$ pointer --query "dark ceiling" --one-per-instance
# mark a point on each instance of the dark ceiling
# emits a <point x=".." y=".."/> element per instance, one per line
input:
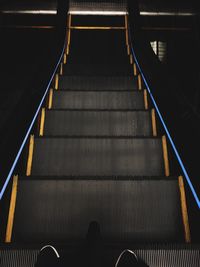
<point x="154" y="13"/>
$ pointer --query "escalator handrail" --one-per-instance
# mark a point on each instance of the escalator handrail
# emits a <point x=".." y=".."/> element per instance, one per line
<point x="194" y="193"/>
<point x="31" y="125"/>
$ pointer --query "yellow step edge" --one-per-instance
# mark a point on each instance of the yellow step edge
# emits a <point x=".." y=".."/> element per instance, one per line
<point x="61" y="69"/>
<point x="134" y="69"/>
<point x="165" y="155"/>
<point x="69" y="37"/>
<point x="67" y="50"/>
<point x="128" y="50"/>
<point x="30" y="156"/>
<point x="50" y="99"/>
<point x="68" y="41"/>
<point x="11" y="214"/>
<point x="139" y="82"/>
<point x="56" y="81"/>
<point x="146" y="105"/>
<point x="127" y="39"/>
<point x="184" y="210"/>
<point x="65" y="58"/>
<point x="96" y="28"/>
<point x="42" y="120"/>
<point x="153" y="119"/>
<point x="126" y="21"/>
<point x="69" y="20"/>
<point x="131" y="59"/>
<point x="126" y="30"/>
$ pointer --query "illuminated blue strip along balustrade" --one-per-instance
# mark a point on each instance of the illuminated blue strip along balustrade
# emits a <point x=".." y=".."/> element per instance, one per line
<point x="30" y="127"/>
<point x="166" y="129"/>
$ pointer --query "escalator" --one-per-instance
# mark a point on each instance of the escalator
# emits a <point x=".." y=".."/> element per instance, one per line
<point x="98" y="153"/>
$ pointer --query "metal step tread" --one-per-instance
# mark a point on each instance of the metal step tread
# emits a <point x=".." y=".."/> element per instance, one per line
<point x="91" y="123"/>
<point x="118" y="7"/>
<point x="97" y="82"/>
<point x="98" y="100"/>
<point x="127" y="210"/>
<point x="98" y="156"/>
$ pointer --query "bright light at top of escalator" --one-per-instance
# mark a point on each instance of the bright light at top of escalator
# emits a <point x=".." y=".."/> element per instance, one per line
<point x="98" y="12"/>
<point x="184" y="14"/>
<point x="73" y="12"/>
<point x="34" y="12"/>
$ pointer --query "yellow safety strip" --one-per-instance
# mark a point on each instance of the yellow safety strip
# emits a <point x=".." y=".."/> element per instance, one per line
<point x="50" y="98"/>
<point x="184" y="210"/>
<point x="146" y="106"/>
<point x="30" y="156"/>
<point x="139" y="82"/>
<point x="11" y="210"/>
<point x="56" y="81"/>
<point x="165" y="155"/>
<point x="42" y="120"/>
<point x="153" y="117"/>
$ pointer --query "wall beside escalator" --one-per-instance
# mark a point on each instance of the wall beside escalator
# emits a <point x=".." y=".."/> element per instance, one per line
<point x="28" y="58"/>
<point x="175" y="86"/>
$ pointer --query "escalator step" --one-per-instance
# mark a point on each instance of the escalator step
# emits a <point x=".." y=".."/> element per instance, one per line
<point x="98" y="156"/>
<point x="154" y="256"/>
<point x="98" y="100"/>
<point x="102" y="123"/>
<point x="77" y="7"/>
<point x="18" y="257"/>
<point x="97" y="83"/>
<point x="97" y="69"/>
<point x="127" y="210"/>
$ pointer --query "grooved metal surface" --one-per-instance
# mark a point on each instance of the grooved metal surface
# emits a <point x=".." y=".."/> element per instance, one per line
<point x="165" y="258"/>
<point x="98" y="100"/>
<point x="154" y="257"/>
<point x="61" y="210"/>
<point x="97" y="7"/>
<point x="102" y="123"/>
<point x="97" y="83"/>
<point x="98" y="69"/>
<point x="98" y="156"/>
<point x="18" y="257"/>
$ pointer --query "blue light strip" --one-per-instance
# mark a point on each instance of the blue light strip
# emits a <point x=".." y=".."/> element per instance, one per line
<point x="29" y="129"/>
<point x="167" y="131"/>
